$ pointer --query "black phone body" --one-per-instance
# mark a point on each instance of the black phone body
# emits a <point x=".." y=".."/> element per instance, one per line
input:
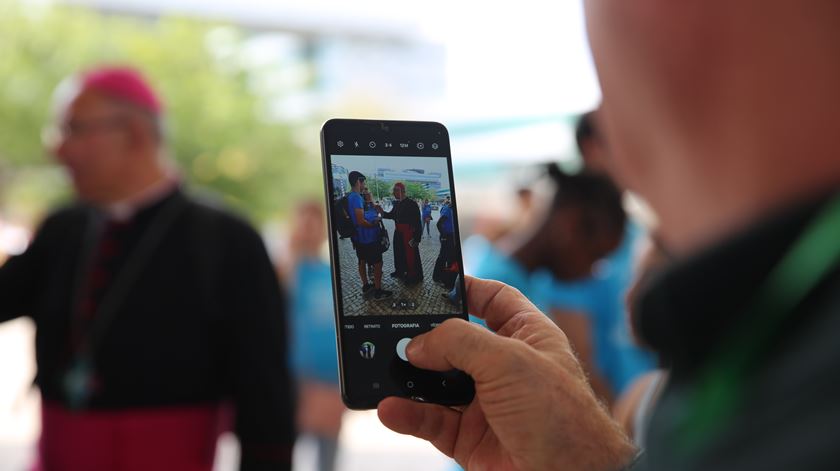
<point x="372" y="327"/>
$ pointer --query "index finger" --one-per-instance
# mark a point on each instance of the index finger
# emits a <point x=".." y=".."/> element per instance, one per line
<point x="495" y="302"/>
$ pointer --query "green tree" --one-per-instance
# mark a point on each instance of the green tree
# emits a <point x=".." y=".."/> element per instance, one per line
<point x="221" y="136"/>
<point x="379" y="188"/>
<point x="383" y="189"/>
<point x="418" y="192"/>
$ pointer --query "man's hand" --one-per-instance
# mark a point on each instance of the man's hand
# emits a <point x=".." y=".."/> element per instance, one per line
<point x="533" y="409"/>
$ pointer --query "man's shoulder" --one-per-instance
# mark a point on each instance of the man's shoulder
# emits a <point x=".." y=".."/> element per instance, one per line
<point x="789" y="398"/>
<point x="68" y="211"/>
<point x="65" y="218"/>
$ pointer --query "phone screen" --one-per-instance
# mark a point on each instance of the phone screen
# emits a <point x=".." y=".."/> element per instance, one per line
<point x="396" y="255"/>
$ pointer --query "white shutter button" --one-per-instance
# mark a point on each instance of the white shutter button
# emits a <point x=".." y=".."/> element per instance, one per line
<point x="401" y="348"/>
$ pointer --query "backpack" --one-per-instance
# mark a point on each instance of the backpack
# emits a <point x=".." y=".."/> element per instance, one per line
<point x="384" y="238"/>
<point x="341" y="218"/>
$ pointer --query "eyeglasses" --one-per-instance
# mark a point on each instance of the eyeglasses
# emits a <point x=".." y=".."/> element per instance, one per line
<point x="56" y="134"/>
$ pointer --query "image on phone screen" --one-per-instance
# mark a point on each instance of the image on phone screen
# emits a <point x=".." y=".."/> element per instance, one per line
<point x="402" y="249"/>
<point x="395" y="254"/>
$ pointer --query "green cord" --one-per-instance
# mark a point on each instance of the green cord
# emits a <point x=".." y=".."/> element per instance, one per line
<point x="720" y="388"/>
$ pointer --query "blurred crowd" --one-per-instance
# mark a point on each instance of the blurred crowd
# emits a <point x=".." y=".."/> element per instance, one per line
<point x="162" y="322"/>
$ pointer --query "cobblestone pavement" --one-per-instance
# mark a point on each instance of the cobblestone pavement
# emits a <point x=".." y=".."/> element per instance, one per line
<point x="426" y="296"/>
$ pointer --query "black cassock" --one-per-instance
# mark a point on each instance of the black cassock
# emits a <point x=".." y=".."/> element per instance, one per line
<point x="407" y="263"/>
<point x="180" y="306"/>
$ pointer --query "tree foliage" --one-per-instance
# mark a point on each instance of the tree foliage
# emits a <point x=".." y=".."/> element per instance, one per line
<point x="220" y="134"/>
<point x="383" y="189"/>
<point x="418" y="192"/>
<point x="379" y="188"/>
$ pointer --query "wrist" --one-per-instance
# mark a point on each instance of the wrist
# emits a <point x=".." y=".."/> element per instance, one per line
<point x="600" y="442"/>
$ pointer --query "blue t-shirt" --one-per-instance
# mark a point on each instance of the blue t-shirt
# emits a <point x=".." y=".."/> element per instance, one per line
<point x="364" y="235"/>
<point x="446" y="215"/>
<point x="601" y="297"/>
<point x="313" y="351"/>
<point x="427" y="211"/>
<point x="354" y="201"/>
<point x="370" y="234"/>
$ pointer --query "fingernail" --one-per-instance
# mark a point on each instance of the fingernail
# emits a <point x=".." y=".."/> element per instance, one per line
<point x="414" y="347"/>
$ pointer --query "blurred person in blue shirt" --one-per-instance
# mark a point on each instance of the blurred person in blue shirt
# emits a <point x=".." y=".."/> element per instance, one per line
<point x="585" y="222"/>
<point x="601" y="298"/>
<point x="313" y="352"/>
<point x="427" y="217"/>
<point x="446" y="266"/>
<point x="445" y="225"/>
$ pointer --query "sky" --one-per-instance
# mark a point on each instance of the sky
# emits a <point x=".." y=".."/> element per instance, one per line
<point x="523" y="58"/>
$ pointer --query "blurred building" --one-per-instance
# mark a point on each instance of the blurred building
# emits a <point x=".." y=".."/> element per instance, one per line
<point x="336" y="56"/>
<point x="341" y="179"/>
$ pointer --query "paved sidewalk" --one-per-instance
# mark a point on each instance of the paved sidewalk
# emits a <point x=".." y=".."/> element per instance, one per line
<point x="422" y="298"/>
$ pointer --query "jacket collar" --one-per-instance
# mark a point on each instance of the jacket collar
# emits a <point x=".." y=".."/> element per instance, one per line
<point x="689" y="307"/>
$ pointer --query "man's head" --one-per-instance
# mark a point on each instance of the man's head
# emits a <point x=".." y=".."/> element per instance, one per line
<point x="309" y="229"/>
<point x="107" y="133"/>
<point x="399" y="191"/>
<point x="718" y="111"/>
<point x="357" y="181"/>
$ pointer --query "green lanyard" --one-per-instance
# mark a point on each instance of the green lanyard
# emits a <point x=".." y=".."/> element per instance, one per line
<point x="719" y="389"/>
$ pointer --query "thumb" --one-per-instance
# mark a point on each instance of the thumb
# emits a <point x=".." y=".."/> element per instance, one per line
<point x="456" y="344"/>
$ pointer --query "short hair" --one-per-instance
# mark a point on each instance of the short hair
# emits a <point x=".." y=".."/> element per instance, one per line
<point x="355" y="177"/>
<point x="586" y="129"/>
<point x="400" y="185"/>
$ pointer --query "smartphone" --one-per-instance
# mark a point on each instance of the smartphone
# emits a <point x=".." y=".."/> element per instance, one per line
<point x="395" y="255"/>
